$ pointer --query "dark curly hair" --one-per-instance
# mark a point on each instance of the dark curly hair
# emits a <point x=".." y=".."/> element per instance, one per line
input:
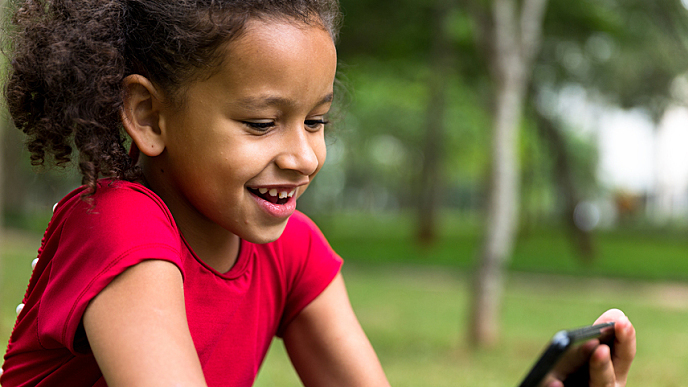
<point x="69" y="58"/>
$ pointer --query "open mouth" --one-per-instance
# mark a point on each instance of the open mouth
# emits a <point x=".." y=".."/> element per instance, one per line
<point x="274" y="195"/>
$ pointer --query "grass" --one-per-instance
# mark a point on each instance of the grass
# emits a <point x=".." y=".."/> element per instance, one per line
<point x="416" y="319"/>
<point x="412" y="302"/>
<point x="17" y="250"/>
<point x="632" y="254"/>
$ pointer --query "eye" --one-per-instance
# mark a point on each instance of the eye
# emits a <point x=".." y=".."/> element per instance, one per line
<point x="315" y="125"/>
<point x="259" y="126"/>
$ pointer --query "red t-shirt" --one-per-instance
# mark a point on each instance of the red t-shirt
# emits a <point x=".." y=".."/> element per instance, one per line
<point x="232" y="316"/>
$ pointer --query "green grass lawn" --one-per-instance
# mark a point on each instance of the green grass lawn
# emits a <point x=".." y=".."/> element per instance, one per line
<point x="412" y="302"/>
<point x="416" y="319"/>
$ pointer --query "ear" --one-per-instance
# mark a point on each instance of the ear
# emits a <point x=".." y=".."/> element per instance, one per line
<point x="141" y="114"/>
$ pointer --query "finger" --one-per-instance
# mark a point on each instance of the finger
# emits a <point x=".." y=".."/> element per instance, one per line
<point x="602" y="368"/>
<point x="624" y="342"/>
<point x="624" y="348"/>
<point x="555" y="383"/>
<point x="551" y="381"/>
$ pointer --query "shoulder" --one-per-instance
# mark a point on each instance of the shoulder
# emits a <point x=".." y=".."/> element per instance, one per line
<point x="303" y="241"/>
<point x="300" y="224"/>
<point x="302" y="235"/>
<point x="310" y="265"/>
<point x="111" y="193"/>
<point x="118" y="214"/>
<point x="114" y="200"/>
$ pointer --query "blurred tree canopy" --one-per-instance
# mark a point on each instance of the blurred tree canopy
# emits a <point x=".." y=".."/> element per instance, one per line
<point x="624" y="54"/>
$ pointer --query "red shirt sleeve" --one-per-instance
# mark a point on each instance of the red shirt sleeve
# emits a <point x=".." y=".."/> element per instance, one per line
<point x="91" y="243"/>
<point x="312" y="265"/>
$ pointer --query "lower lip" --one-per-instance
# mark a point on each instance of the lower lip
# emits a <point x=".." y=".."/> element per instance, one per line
<point x="277" y="210"/>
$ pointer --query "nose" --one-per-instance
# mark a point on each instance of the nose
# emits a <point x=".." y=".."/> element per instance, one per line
<point x="302" y="150"/>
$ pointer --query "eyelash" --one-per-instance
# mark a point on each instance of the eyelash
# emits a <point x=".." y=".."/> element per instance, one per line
<point x="316" y="124"/>
<point x="264" y="126"/>
<point x="259" y="126"/>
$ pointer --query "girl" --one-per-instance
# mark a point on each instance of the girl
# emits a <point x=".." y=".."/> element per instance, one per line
<point x="176" y="264"/>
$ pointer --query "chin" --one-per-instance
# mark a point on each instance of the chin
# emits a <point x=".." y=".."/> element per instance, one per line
<point x="265" y="234"/>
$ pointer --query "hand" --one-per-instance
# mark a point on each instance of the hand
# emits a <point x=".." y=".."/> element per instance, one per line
<point x="607" y="369"/>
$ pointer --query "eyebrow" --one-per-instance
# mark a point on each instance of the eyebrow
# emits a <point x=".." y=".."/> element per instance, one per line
<point x="266" y="101"/>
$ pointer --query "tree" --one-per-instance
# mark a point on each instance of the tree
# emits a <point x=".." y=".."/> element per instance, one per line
<point x="2" y="175"/>
<point x="515" y="37"/>
<point x="563" y="172"/>
<point x="431" y="174"/>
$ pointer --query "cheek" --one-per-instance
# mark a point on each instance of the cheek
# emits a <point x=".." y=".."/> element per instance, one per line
<point x="320" y="151"/>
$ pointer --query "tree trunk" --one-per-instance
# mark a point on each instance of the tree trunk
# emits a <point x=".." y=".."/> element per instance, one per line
<point x="4" y="118"/>
<point x="430" y="186"/>
<point x="3" y="128"/>
<point x="515" y="45"/>
<point x="581" y="239"/>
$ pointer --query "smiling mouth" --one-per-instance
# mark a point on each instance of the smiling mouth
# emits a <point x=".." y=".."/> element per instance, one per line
<point x="273" y="195"/>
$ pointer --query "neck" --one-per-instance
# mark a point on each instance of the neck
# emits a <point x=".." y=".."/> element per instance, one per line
<point x="214" y="245"/>
<point x="218" y="251"/>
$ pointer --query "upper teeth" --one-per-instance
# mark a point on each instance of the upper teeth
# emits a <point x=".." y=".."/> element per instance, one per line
<point x="275" y="192"/>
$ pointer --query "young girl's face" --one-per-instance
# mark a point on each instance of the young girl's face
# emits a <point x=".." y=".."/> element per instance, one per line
<point x="248" y="140"/>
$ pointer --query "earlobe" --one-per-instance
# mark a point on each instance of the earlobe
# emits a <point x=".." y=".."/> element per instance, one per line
<point x="141" y="114"/>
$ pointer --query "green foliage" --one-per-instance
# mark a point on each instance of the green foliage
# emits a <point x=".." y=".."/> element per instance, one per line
<point x="629" y="51"/>
<point x="385" y="29"/>
<point x="377" y="149"/>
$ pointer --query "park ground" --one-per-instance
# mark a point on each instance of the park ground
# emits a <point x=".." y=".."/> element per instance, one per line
<point x="415" y="309"/>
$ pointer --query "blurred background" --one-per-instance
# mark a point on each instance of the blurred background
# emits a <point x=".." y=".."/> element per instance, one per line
<point x="497" y="170"/>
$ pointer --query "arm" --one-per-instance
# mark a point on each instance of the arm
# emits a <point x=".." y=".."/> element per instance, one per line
<point x="327" y="345"/>
<point x="606" y="368"/>
<point x="138" y="332"/>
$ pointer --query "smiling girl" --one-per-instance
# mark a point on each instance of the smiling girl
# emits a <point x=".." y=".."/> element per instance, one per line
<point x="178" y="261"/>
<point x="177" y="266"/>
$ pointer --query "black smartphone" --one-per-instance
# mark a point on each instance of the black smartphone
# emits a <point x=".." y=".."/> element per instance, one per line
<point x="562" y="342"/>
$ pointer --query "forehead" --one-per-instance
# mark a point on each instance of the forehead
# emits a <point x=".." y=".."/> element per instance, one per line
<point x="272" y="61"/>
<point x="276" y="48"/>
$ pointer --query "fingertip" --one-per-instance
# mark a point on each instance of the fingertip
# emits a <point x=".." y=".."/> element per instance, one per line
<point x="610" y="315"/>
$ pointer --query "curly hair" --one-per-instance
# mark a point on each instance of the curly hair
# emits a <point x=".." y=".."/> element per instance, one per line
<point x="69" y="58"/>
